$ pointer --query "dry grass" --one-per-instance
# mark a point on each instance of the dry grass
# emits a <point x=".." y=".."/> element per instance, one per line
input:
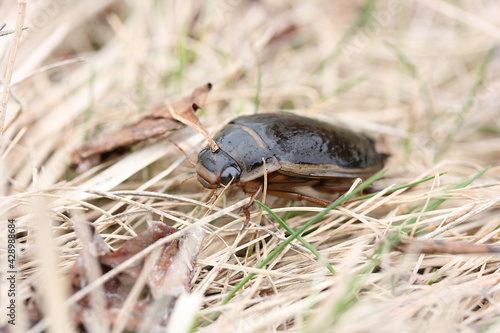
<point x="418" y="73"/>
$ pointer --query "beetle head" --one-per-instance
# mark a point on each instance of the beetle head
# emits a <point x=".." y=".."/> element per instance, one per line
<point x="216" y="169"/>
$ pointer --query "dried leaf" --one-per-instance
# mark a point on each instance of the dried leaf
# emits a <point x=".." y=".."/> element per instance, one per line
<point x="116" y="290"/>
<point x="96" y="247"/>
<point x="131" y="247"/>
<point x="162" y="119"/>
<point x="172" y="273"/>
<point x="189" y="118"/>
<point x="184" y="106"/>
<point x="169" y="276"/>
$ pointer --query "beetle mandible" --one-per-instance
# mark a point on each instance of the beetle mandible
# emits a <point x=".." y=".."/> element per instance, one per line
<point x="298" y="151"/>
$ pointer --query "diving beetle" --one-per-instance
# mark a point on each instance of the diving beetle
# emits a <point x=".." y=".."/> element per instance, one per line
<point x="297" y="151"/>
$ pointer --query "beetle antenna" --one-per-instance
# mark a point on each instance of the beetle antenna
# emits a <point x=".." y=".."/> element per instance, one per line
<point x="182" y="150"/>
<point x="188" y="178"/>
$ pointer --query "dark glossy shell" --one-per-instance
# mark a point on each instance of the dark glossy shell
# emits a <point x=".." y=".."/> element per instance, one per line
<point x="301" y="145"/>
<point x="291" y="145"/>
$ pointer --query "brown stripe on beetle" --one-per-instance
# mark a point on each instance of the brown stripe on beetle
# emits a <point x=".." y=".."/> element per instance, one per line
<point x="298" y="151"/>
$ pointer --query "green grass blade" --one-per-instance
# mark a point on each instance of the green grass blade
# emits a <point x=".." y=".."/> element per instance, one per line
<point x="362" y="20"/>
<point x="436" y="203"/>
<point x="257" y="95"/>
<point x="404" y="60"/>
<point x="368" y="196"/>
<point x="182" y="54"/>
<point x="469" y="103"/>
<point x="425" y="94"/>
<point x="299" y="231"/>
<point x="348" y="85"/>
<point x="89" y="110"/>
<point x="355" y="284"/>
<point x="288" y="214"/>
<point x="472" y="179"/>
<point x="299" y="238"/>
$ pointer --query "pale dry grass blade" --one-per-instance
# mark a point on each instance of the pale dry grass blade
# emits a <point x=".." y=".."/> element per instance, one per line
<point x="402" y="70"/>
<point x="184" y="313"/>
<point x="10" y="66"/>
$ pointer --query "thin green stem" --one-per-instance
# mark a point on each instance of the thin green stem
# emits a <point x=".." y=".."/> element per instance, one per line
<point x="257" y="95"/>
<point x="469" y="103"/>
<point x="368" y="196"/>
<point x="299" y="231"/>
<point x="299" y="238"/>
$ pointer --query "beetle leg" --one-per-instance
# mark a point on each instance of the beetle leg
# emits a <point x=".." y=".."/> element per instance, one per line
<point x="246" y="208"/>
<point x="255" y="187"/>
<point x="212" y="198"/>
<point x="332" y="189"/>
<point x="341" y="189"/>
<point x="334" y="185"/>
<point x="298" y="196"/>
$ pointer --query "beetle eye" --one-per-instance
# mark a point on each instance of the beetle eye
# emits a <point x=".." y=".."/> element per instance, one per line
<point x="229" y="173"/>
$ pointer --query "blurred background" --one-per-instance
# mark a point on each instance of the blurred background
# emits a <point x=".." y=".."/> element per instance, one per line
<point x="410" y="71"/>
<point x="422" y="74"/>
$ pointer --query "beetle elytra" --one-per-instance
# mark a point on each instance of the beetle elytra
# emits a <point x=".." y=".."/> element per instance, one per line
<point x="297" y="151"/>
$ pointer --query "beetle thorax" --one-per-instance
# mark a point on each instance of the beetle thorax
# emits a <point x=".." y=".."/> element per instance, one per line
<point x="216" y="169"/>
